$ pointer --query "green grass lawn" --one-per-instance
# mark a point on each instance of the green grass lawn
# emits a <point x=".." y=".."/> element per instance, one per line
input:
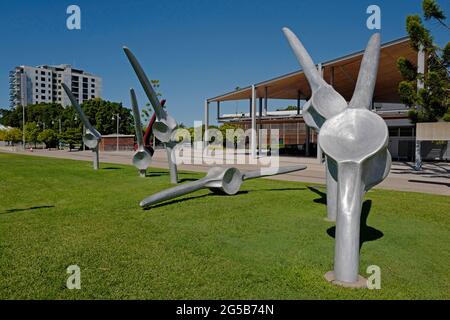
<point x="268" y="242"/>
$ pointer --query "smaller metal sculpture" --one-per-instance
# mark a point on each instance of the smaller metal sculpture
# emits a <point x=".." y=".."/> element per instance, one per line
<point x="164" y="125"/>
<point x="219" y="180"/>
<point x="141" y="158"/>
<point x="91" y="137"/>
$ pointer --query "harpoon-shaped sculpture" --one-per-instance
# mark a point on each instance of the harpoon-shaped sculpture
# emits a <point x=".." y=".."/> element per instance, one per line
<point x="91" y="137"/>
<point x="142" y="157"/>
<point x="164" y="125"/>
<point x="220" y="180"/>
<point x="354" y="140"/>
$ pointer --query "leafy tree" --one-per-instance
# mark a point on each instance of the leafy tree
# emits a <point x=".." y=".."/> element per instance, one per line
<point x="49" y="137"/>
<point x="432" y="102"/>
<point x="71" y="136"/>
<point x="101" y="113"/>
<point x="3" y="135"/>
<point x="147" y="112"/>
<point x="288" y="108"/>
<point x="13" y="135"/>
<point x="32" y="131"/>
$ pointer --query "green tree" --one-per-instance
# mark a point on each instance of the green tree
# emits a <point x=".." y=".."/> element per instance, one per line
<point x="13" y="135"/>
<point x="49" y="137"/>
<point x="101" y="113"/>
<point x="71" y="136"/>
<point x="32" y="131"/>
<point x="432" y="102"/>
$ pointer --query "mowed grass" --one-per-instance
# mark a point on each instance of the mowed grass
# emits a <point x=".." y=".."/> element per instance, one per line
<point x="268" y="242"/>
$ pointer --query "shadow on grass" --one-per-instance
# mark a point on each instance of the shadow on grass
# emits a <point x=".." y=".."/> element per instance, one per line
<point x="111" y="168"/>
<point x="163" y="204"/>
<point x="431" y="182"/>
<point x="186" y="180"/>
<point x="26" y="209"/>
<point x="323" y="195"/>
<point x="367" y="233"/>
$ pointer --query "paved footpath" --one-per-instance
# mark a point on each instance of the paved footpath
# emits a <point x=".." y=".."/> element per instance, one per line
<point x="434" y="178"/>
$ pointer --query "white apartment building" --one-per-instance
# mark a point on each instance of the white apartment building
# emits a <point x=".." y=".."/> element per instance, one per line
<point x="42" y="84"/>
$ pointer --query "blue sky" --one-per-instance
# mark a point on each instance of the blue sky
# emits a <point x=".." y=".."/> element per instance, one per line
<point x="196" y="48"/>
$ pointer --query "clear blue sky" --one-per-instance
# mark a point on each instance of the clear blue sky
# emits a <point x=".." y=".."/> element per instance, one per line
<point x="196" y="48"/>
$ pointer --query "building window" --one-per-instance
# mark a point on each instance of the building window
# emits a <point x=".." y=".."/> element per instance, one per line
<point x="92" y="97"/>
<point x="43" y="73"/>
<point x="42" y="91"/>
<point x="406" y="132"/>
<point x="43" y="97"/>
<point x="393" y="132"/>
<point x="43" y="85"/>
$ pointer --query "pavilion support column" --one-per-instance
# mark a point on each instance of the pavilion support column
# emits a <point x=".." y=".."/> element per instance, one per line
<point x="206" y="136"/>
<point x="253" y="130"/>
<point x="299" y="96"/>
<point x="420" y="85"/>
<point x="266" y="94"/>
<point x="218" y="110"/>
<point x="307" y="140"/>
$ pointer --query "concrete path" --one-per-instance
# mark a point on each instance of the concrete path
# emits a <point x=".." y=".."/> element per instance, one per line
<point x="434" y="178"/>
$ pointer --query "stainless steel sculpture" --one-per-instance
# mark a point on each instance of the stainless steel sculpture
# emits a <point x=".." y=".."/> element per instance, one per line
<point x="354" y="140"/>
<point x="219" y="180"/>
<point x="91" y="137"/>
<point x="165" y="125"/>
<point x="141" y="158"/>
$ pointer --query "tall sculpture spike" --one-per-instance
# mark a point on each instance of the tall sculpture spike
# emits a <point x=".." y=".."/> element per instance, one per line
<point x="142" y="158"/>
<point x="325" y="103"/>
<point x="312" y="74"/>
<point x="367" y="77"/>
<point x="165" y="125"/>
<point x="91" y="137"/>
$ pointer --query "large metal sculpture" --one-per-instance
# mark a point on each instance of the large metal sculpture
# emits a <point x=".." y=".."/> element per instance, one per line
<point x="164" y="125"/>
<point x="354" y="140"/>
<point x="91" y="137"/>
<point x="142" y="157"/>
<point x="219" y="180"/>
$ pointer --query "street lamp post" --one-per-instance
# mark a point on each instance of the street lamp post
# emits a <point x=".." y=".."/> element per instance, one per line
<point x="23" y="126"/>
<point x="117" y="117"/>
<point x="59" y="122"/>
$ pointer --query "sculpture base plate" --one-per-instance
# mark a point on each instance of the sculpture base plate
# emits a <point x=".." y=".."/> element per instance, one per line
<point x="143" y="173"/>
<point x="361" y="283"/>
<point x="329" y="220"/>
